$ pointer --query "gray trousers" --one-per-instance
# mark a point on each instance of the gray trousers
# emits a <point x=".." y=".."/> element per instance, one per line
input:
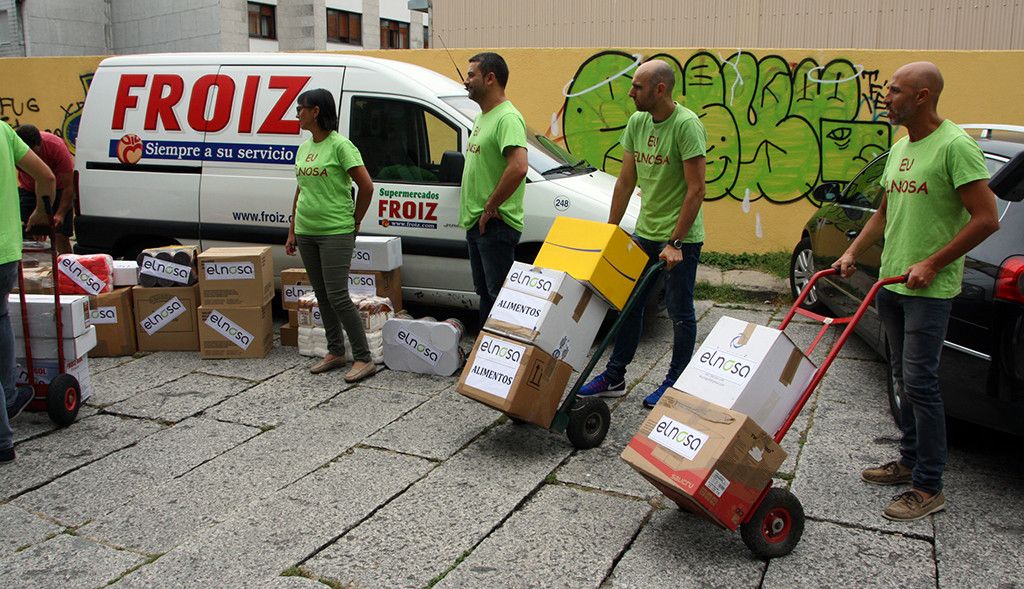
<point x="327" y="259"/>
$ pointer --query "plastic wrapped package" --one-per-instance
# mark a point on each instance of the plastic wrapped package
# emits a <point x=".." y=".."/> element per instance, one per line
<point x="312" y="341"/>
<point x="168" y="266"/>
<point x="89" y="275"/>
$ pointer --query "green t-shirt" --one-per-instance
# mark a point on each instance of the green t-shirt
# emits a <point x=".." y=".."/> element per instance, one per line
<point x="12" y="149"/>
<point x="924" y="210"/>
<point x="502" y="127"/>
<point x="659" y="150"/>
<point x="325" y="205"/>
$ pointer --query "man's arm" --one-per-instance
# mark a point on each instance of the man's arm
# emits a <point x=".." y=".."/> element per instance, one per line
<point x="515" y="170"/>
<point x="46" y="185"/>
<point x="693" y="170"/>
<point x="980" y="203"/>
<point x="67" y="196"/>
<point x="624" y="186"/>
<point x="872" y="232"/>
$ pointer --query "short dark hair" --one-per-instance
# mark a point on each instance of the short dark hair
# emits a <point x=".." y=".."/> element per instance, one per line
<point x="30" y="135"/>
<point x="328" y="117"/>
<point x="492" y="63"/>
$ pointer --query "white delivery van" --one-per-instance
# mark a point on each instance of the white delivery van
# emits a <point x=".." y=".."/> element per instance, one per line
<point x="199" y="148"/>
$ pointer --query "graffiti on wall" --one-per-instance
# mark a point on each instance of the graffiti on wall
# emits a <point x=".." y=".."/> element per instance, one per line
<point x="775" y="128"/>
<point x="65" y="117"/>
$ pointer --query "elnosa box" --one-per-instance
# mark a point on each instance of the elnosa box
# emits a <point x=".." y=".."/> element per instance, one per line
<point x="166" y="318"/>
<point x="236" y="276"/>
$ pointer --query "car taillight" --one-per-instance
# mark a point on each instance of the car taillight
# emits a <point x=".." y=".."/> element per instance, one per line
<point x="1010" y="283"/>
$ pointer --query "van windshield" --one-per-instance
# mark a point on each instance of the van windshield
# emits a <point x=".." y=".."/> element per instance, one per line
<point x="543" y="154"/>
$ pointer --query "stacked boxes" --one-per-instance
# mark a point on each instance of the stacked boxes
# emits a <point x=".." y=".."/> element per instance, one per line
<point x="166" y="300"/>
<point x="546" y="316"/>
<point x="112" y="315"/>
<point x="312" y="339"/>
<point x="294" y="284"/>
<point x="77" y="337"/>
<point x="236" y="287"/>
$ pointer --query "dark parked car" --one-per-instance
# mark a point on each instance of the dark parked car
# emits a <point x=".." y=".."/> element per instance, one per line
<point x="982" y="370"/>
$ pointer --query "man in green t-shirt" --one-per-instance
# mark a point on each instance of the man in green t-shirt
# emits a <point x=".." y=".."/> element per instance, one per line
<point x="664" y="148"/>
<point x="14" y="152"/>
<point x="937" y="206"/>
<point x="493" y="181"/>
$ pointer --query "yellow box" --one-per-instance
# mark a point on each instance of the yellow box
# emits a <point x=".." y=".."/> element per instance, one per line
<point x="601" y="255"/>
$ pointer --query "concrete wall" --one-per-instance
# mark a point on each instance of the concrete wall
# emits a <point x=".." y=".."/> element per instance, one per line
<point x="54" y="27"/>
<point x="782" y="120"/>
<point x="301" y="25"/>
<point x="11" y="40"/>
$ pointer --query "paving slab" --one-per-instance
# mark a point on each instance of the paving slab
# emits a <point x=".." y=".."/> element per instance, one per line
<point x="451" y="420"/>
<point x="22" y="529"/>
<point x="180" y="399"/>
<point x="423" y="532"/>
<point x="282" y="530"/>
<point x="31" y="424"/>
<point x="97" y="365"/>
<point x="164" y="516"/>
<point x="562" y="537"/>
<point x="43" y="459"/>
<point x="683" y="550"/>
<point x="410" y="382"/>
<point x="602" y="467"/>
<point x="141" y="374"/>
<point x="279" y="359"/>
<point x="838" y="556"/>
<point x="794" y="440"/>
<point x="281" y="398"/>
<point x="104" y="485"/>
<point x="67" y="562"/>
<point x="295" y="582"/>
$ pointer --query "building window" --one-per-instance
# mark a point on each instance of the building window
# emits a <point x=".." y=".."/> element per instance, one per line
<point x="262" y="21"/>
<point x="394" y="34"/>
<point x="344" y="27"/>
<point x="426" y="37"/>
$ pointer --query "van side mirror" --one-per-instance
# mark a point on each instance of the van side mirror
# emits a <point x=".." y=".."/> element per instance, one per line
<point x="827" y="192"/>
<point x="450" y="171"/>
<point x="1008" y="182"/>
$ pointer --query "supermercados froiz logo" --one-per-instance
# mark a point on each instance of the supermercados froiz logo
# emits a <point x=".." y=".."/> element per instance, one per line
<point x="229" y="271"/>
<point x="231" y="331"/>
<point x="159" y="319"/>
<point x="677" y="437"/>
<point x="418" y="348"/>
<point x="129" y="149"/>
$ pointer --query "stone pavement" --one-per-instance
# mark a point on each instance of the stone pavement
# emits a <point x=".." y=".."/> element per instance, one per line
<point x="183" y="472"/>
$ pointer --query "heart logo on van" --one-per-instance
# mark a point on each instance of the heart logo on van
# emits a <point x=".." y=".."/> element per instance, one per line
<point x="129" y="149"/>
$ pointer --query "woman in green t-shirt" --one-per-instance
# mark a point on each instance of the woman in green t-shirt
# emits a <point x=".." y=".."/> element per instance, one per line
<point x="324" y="224"/>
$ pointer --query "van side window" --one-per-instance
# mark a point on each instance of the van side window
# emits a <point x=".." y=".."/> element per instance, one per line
<point x="401" y="141"/>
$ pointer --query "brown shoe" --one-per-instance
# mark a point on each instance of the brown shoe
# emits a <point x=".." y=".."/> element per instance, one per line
<point x="359" y="371"/>
<point x="325" y="364"/>
<point x="890" y="473"/>
<point x="911" y="506"/>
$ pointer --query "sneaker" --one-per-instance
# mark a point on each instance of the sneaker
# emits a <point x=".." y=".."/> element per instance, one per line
<point x="911" y="506"/>
<point x="325" y="365"/>
<point x="22" y="397"/>
<point x="602" y="386"/>
<point x="890" y="473"/>
<point x="652" y="399"/>
<point x="7" y="455"/>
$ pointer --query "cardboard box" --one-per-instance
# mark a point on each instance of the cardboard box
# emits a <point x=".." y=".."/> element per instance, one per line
<point x="46" y="369"/>
<point x="112" y="316"/>
<point x="166" y="317"/>
<point x="38" y="280"/>
<point x="289" y="336"/>
<point x="749" y="368"/>
<point x="46" y="347"/>
<point x="42" y="316"/>
<point x="549" y="309"/>
<point x="382" y="284"/>
<point x="126" y="272"/>
<point x="236" y="276"/>
<point x="376" y="253"/>
<point x="294" y="284"/>
<point x="422" y="346"/>
<point x="235" y="332"/>
<point x="704" y="457"/>
<point x="601" y="255"/>
<point x="515" y="378"/>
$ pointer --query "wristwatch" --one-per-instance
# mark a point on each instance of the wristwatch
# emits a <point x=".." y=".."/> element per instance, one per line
<point x="676" y="243"/>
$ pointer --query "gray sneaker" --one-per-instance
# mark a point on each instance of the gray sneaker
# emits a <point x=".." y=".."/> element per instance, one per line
<point x="890" y="473"/>
<point x="22" y="398"/>
<point x="911" y="506"/>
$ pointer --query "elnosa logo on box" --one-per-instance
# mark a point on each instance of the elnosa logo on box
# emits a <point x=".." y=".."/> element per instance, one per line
<point x="363" y="280"/>
<point x="103" y="315"/>
<point x="500" y="351"/>
<point x="229" y="270"/>
<point x="159" y="319"/>
<point x="531" y="280"/>
<point x="232" y="331"/>
<point x="293" y="292"/>
<point x="81" y="275"/>
<point x="422" y="350"/>
<point x="165" y="269"/>
<point x="678" y="437"/>
<point x="732" y="368"/>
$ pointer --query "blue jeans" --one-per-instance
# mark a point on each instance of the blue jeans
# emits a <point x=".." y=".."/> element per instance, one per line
<point x="679" y="283"/>
<point x="8" y="278"/>
<point x="916" y="328"/>
<point x="490" y="258"/>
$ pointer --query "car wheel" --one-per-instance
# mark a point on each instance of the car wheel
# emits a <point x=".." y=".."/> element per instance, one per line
<point x="893" y="391"/>
<point x="801" y="269"/>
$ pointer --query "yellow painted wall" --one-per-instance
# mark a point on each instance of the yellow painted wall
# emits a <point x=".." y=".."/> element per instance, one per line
<point x="981" y="86"/>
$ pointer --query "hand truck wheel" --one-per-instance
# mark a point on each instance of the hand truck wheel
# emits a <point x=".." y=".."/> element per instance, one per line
<point x="63" y="399"/>
<point x="776" y="526"/>
<point x="588" y="423"/>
